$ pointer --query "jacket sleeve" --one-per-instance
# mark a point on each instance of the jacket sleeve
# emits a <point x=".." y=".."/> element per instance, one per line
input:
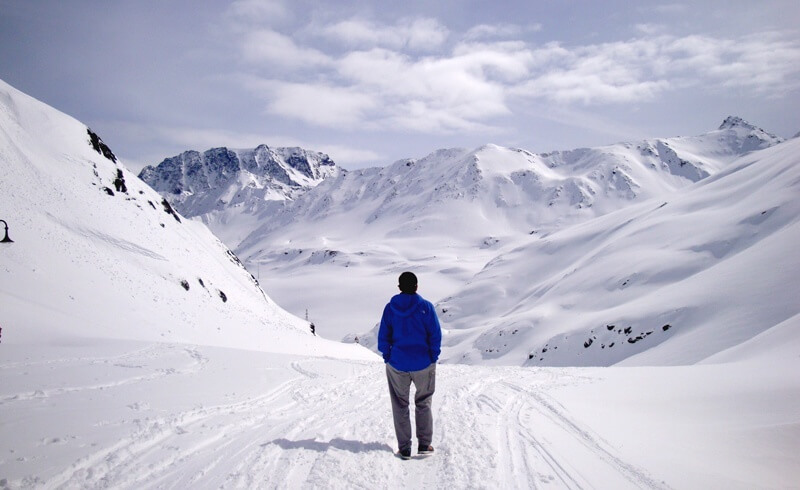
<point x="385" y="333"/>
<point x="434" y="335"/>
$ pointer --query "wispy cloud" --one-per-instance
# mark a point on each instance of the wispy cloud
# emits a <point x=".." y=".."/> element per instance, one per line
<point x="416" y="74"/>
<point x="322" y="104"/>
<point x="270" y="47"/>
<point x="767" y="63"/>
<point x="422" y="35"/>
<point x="651" y="29"/>
<point x="499" y="31"/>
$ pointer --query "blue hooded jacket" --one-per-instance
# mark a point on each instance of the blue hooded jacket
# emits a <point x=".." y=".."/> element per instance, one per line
<point x="409" y="337"/>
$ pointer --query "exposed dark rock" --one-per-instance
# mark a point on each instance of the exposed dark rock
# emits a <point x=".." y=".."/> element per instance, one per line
<point x="633" y="340"/>
<point x="168" y="209"/>
<point x="119" y="182"/>
<point x="100" y="147"/>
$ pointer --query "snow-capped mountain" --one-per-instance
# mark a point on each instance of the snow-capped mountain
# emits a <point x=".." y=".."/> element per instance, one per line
<point x="661" y="282"/>
<point x="224" y="186"/>
<point x="447" y="215"/>
<point x="106" y="293"/>
<point x="515" y="189"/>
<point x="99" y="250"/>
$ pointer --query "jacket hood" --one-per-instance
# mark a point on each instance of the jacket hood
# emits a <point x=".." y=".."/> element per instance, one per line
<point x="404" y="304"/>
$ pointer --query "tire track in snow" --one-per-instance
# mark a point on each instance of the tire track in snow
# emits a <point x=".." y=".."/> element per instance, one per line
<point x="574" y="434"/>
<point x="151" y="452"/>
<point x="327" y="423"/>
<point x="331" y="422"/>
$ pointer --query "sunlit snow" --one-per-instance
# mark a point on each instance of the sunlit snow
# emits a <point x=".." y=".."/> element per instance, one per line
<point x="137" y="352"/>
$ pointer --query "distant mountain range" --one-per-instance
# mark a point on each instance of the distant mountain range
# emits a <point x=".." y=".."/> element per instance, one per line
<point x="334" y="242"/>
<point x="663" y="251"/>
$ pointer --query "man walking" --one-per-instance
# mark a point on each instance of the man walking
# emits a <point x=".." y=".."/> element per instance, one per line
<point x="410" y="340"/>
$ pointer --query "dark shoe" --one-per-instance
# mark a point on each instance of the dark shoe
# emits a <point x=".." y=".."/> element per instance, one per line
<point x="425" y="449"/>
<point x="404" y="454"/>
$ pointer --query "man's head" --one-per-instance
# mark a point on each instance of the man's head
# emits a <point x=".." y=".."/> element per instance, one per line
<point x="408" y="283"/>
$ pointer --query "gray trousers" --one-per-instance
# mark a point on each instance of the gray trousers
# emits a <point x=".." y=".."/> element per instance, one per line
<point x="399" y="389"/>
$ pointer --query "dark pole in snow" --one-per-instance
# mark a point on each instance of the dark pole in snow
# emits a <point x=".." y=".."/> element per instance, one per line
<point x="5" y="238"/>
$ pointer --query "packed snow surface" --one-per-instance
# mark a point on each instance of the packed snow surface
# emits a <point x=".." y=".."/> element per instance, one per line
<point x="127" y="414"/>
<point x="137" y="352"/>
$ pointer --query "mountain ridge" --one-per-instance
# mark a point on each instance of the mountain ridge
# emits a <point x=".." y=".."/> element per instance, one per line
<point x="449" y="214"/>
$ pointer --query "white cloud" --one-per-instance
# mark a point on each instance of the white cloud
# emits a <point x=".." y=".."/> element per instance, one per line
<point x="507" y="61"/>
<point x="641" y="69"/>
<point x="455" y="92"/>
<point x="494" y="31"/>
<point x="426" y="34"/>
<point x="421" y="35"/>
<point x="651" y="29"/>
<point x="401" y="75"/>
<point x="270" y="47"/>
<point x="604" y="73"/>
<point x="321" y="105"/>
<point x="767" y="63"/>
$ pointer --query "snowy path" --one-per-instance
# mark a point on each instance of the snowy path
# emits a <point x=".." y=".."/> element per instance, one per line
<point x="135" y="415"/>
<point x="172" y="416"/>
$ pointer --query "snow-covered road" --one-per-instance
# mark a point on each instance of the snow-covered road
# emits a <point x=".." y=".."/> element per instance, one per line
<point x="177" y="416"/>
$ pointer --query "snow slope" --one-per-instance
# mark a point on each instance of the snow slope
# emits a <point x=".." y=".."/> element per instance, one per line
<point x="663" y="282"/>
<point x="113" y="263"/>
<point x="114" y="375"/>
<point x="448" y="215"/>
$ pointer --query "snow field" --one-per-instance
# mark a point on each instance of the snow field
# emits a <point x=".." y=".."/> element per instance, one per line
<point x="123" y="414"/>
<point x="122" y="366"/>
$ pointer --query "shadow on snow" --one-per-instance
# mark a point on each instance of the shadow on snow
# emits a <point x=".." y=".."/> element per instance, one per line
<point x="338" y="443"/>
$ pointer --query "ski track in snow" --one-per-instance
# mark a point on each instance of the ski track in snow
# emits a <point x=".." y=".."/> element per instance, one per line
<point x="138" y="356"/>
<point x="321" y="423"/>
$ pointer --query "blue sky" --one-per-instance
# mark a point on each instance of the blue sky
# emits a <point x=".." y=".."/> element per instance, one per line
<point x="372" y="82"/>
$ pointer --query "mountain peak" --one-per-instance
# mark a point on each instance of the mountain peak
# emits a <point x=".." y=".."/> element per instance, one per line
<point x="750" y="137"/>
<point x="221" y="177"/>
<point x="736" y="122"/>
